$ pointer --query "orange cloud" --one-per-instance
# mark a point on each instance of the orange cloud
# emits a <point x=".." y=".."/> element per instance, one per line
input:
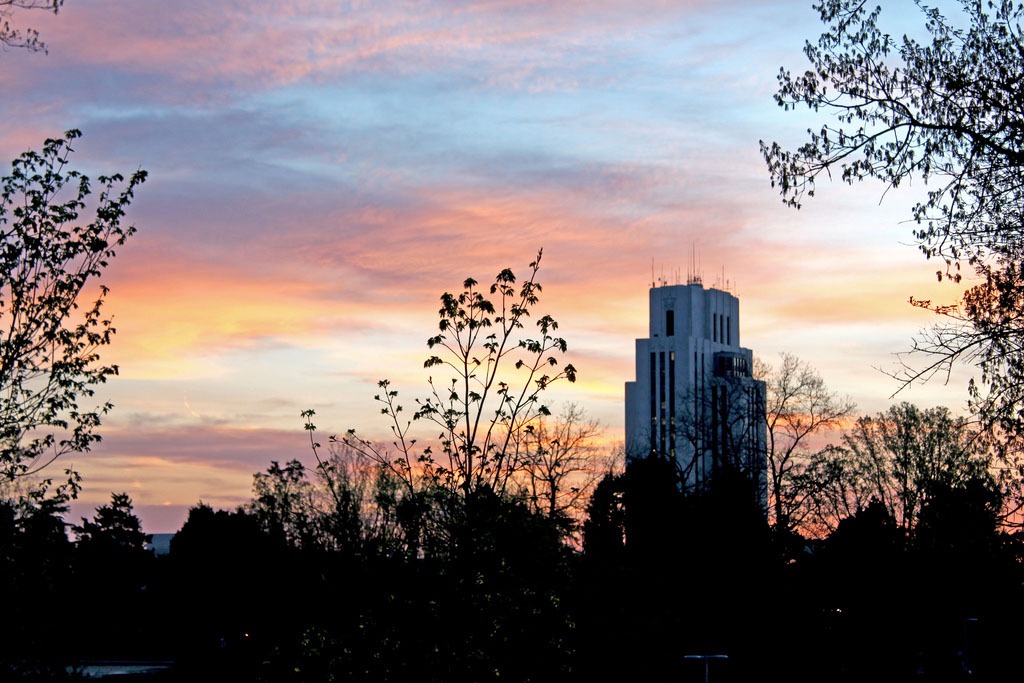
<point x="181" y="465"/>
<point x="165" y="320"/>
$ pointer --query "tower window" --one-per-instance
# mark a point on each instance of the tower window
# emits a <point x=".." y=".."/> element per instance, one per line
<point x="714" y="327"/>
<point x="653" y="389"/>
<point x="728" y="330"/>
<point x="670" y="323"/>
<point x="661" y="395"/>
<point x="672" y="401"/>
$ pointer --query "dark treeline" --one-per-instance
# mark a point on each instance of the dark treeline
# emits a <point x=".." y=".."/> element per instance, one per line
<point x="352" y="578"/>
<point x="472" y="557"/>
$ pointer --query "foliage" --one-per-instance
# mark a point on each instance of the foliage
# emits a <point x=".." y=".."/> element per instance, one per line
<point x="49" y="347"/>
<point x="604" y="527"/>
<point x="283" y="503"/>
<point x="561" y="463"/>
<point x="721" y="426"/>
<point x="113" y="575"/>
<point x="211" y="535"/>
<point x="672" y="567"/>
<point x="898" y="459"/>
<point x="465" y="538"/>
<point x="798" y="407"/>
<point x="115" y="528"/>
<point x="485" y="411"/>
<point x="26" y="38"/>
<point x="946" y="111"/>
<point x="35" y="573"/>
<point x="493" y="434"/>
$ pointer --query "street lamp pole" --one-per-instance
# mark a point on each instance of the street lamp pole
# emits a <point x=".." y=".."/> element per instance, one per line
<point x="706" y="658"/>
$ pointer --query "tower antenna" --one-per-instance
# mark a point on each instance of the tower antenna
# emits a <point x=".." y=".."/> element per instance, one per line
<point x="694" y="276"/>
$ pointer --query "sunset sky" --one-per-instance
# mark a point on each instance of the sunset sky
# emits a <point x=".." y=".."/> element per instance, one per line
<point x="321" y="171"/>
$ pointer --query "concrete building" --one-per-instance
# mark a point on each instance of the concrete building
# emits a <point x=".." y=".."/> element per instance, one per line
<point x="694" y="398"/>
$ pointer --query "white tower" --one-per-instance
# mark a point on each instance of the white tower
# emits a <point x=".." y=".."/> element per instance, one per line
<point x="694" y="398"/>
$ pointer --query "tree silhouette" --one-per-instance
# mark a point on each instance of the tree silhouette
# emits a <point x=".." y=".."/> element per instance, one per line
<point x="114" y="529"/>
<point x="945" y="111"/>
<point x="35" y="574"/>
<point x="561" y="464"/>
<point x="798" y="407"/>
<point x="113" y="570"/>
<point x="49" y="345"/>
<point x="486" y="409"/>
<point x="26" y="38"/>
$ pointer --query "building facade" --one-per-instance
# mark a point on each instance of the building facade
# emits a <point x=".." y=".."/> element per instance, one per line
<point x="694" y="398"/>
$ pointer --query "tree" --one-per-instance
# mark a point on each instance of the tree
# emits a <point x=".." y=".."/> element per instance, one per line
<point x="899" y="459"/>
<point x="26" y="38"/>
<point x="112" y="560"/>
<point x="114" y="528"/>
<point x="282" y="501"/>
<point x="798" y="407"/>
<point x="356" y="502"/>
<point x="49" y="345"/>
<point x="327" y="511"/>
<point x="482" y="570"/>
<point x="667" y="568"/>
<point x="861" y="573"/>
<point x="230" y="586"/>
<point x="604" y="527"/>
<point x="949" y="112"/>
<point x="211" y="536"/>
<point x="113" y="577"/>
<point x="719" y="427"/>
<point x="485" y="412"/>
<point x="35" y="583"/>
<point x="961" y="519"/>
<point x="561" y="467"/>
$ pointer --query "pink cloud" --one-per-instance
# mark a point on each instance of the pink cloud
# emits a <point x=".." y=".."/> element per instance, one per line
<point x="180" y="466"/>
<point x="246" y="43"/>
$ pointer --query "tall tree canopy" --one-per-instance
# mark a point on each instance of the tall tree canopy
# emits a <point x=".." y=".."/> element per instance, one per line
<point x="948" y="110"/>
<point x="51" y="256"/>
<point x="900" y="459"/>
<point x="798" y="407"/>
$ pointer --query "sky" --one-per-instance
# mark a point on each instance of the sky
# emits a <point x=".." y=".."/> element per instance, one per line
<point x="321" y="171"/>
